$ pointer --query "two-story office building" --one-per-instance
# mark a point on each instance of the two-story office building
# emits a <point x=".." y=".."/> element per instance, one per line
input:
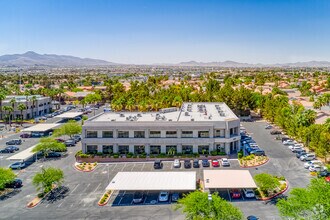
<point x="193" y="128"/>
<point x="34" y="107"/>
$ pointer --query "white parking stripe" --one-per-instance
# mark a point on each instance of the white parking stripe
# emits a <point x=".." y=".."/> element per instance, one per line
<point x="143" y="167"/>
<point x="132" y="168"/>
<point x="97" y="188"/>
<point x="123" y="167"/>
<point x="74" y="189"/>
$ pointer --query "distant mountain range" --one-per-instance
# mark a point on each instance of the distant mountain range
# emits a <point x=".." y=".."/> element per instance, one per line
<point x="31" y="58"/>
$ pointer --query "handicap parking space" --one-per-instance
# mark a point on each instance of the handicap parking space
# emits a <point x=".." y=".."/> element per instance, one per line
<point x="151" y="198"/>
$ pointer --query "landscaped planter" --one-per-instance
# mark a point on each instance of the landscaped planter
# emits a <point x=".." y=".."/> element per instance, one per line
<point x="34" y="202"/>
<point x="100" y="159"/>
<point x="257" y="164"/>
<point x="85" y="167"/>
<point x="276" y="194"/>
<point x="105" y="198"/>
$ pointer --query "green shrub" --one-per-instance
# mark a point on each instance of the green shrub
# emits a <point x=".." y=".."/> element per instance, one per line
<point x="142" y="156"/>
<point x="283" y="186"/>
<point x="99" y="153"/>
<point x="222" y="153"/>
<point x="196" y="154"/>
<point x="240" y="155"/>
<point x="214" y="153"/>
<point x="95" y="163"/>
<point x="85" y="155"/>
<point x="78" y="153"/>
<point x="84" y="163"/>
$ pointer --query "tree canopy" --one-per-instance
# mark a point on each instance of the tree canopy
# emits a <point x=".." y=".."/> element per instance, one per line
<point x="307" y="203"/>
<point x="70" y="128"/>
<point x="6" y="176"/>
<point x="47" y="145"/>
<point x="266" y="182"/>
<point x="45" y="179"/>
<point x="197" y="206"/>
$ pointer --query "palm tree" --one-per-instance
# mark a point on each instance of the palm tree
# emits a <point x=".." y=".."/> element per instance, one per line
<point x="12" y="102"/>
<point x="10" y="110"/>
<point x="2" y="97"/>
<point x="21" y="107"/>
<point x="34" y="101"/>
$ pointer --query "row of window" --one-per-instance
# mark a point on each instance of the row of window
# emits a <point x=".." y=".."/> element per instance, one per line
<point x="154" y="149"/>
<point x="156" y="134"/>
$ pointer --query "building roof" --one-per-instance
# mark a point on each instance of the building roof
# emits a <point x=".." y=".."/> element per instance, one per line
<point x="201" y="112"/>
<point x="42" y="127"/>
<point x="153" y="181"/>
<point x="228" y="179"/>
<point x="23" y="155"/>
<point x="69" y="115"/>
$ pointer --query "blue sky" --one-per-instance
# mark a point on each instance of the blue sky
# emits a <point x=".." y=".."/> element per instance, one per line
<point x="169" y="31"/>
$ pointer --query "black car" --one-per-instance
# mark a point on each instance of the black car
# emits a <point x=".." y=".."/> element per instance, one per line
<point x="158" y="164"/>
<point x="138" y="197"/>
<point x="12" y="148"/>
<point x="49" y="155"/>
<point x="7" y="151"/>
<point x="205" y="163"/>
<point x="302" y="153"/>
<point x="323" y="173"/>
<point x="275" y="132"/>
<point x="17" y="183"/>
<point x="196" y="163"/>
<point x="187" y="164"/>
<point x="258" y="152"/>
<point x="14" y="142"/>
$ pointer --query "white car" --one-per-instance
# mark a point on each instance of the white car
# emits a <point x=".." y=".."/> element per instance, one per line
<point x="295" y="145"/>
<point x="317" y="168"/>
<point x="163" y="197"/>
<point x="225" y="162"/>
<point x="289" y="142"/>
<point x="268" y="127"/>
<point x="296" y="149"/>
<point x="307" y="157"/>
<point x="248" y="193"/>
<point x="311" y="163"/>
<point x="176" y="163"/>
<point x="17" y="165"/>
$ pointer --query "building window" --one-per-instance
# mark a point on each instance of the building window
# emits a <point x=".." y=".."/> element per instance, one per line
<point x="221" y="148"/>
<point x="187" y="134"/>
<point x="139" y="149"/>
<point x="123" y="134"/>
<point x="171" y="134"/>
<point x="107" y="134"/>
<point x="139" y="134"/>
<point x="91" y="134"/>
<point x="203" y="134"/>
<point x="107" y="149"/>
<point x="203" y="149"/>
<point x="219" y="133"/>
<point x="187" y="149"/>
<point x="154" y="134"/>
<point x="123" y="149"/>
<point x="155" y="149"/>
<point x="91" y="149"/>
<point x="171" y="149"/>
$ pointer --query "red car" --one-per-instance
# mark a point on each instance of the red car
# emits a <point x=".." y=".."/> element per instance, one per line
<point x="327" y="179"/>
<point x="215" y="163"/>
<point x="25" y="135"/>
<point x="235" y="194"/>
<point x="60" y="140"/>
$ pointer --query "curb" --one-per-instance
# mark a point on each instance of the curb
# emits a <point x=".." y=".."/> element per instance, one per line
<point x="255" y="165"/>
<point x="106" y="201"/>
<point x="269" y="198"/>
<point x="31" y="207"/>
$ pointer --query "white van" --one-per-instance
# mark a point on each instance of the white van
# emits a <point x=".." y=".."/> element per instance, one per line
<point x="312" y="163"/>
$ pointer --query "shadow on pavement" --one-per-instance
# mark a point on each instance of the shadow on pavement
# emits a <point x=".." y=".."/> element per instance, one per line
<point x="10" y="195"/>
<point x="57" y="194"/>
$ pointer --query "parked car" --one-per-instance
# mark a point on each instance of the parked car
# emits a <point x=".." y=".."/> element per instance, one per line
<point x="205" y="163"/>
<point x="25" y="135"/>
<point x="187" y="164"/>
<point x="215" y="163"/>
<point x="158" y="164"/>
<point x="235" y="194"/>
<point x="274" y="132"/>
<point x="307" y="157"/>
<point x="268" y="127"/>
<point x="225" y="162"/>
<point x="17" y="165"/>
<point x="53" y="154"/>
<point x="176" y="163"/>
<point x="258" y="152"/>
<point x="289" y="142"/>
<point x="311" y="163"/>
<point x="14" y="142"/>
<point x="16" y="183"/>
<point x="323" y="173"/>
<point x="196" y="163"/>
<point x="77" y="137"/>
<point x="175" y="197"/>
<point x="60" y="140"/>
<point x="12" y="148"/>
<point x="70" y="143"/>
<point x="317" y="168"/>
<point x="7" y="151"/>
<point x="252" y="217"/>
<point x="248" y="193"/>
<point x="299" y="154"/>
<point x="296" y="149"/>
<point x="138" y="197"/>
<point x="163" y="197"/>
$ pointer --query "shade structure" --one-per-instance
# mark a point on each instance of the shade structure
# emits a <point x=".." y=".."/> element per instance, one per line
<point x="228" y="179"/>
<point x="42" y="127"/>
<point x="69" y="115"/>
<point x="23" y="155"/>
<point x="184" y="181"/>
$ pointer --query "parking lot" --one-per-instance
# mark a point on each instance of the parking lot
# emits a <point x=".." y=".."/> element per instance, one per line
<point x="81" y="191"/>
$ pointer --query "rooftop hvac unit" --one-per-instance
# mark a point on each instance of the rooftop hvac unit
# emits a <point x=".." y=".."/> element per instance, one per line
<point x="122" y="115"/>
<point x="186" y="113"/>
<point x="192" y="119"/>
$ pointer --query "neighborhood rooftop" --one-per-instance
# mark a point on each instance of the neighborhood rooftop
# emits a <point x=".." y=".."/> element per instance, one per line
<point x="188" y="112"/>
